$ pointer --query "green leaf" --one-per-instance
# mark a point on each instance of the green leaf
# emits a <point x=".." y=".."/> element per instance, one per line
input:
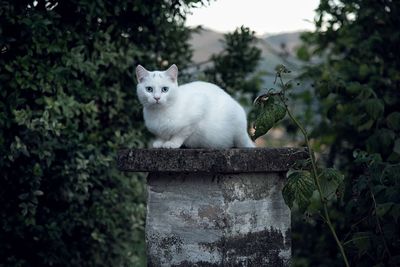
<point x="374" y="107"/>
<point x="364" y="70"/>
<point x="330" y="179"/>
<point x="271" y="111"/>
<point x="382" y="140"/>
<point x="354" y="87"/>
<point x="362" y="241"/>
<point x="299" y="189"/>
<point x="263" y="123"/>
<point x="382" y="209"/>
<point x="22" y="116"/>
<point x="393" y="121"/>
<point x="365" y="126"/>
<point x="38" y="193"/>
<point x="37" y="170"/>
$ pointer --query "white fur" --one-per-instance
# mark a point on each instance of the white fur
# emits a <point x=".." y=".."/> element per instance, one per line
<point x="197" y="114"/>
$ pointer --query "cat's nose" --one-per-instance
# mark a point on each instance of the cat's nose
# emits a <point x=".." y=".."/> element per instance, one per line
<point x="156" y="98"/>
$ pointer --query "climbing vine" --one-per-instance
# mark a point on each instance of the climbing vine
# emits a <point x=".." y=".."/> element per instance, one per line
<point x="306" y="177"/>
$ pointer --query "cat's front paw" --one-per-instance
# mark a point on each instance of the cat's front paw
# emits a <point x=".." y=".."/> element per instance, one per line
<point x="158" y="143"/>
<point x="170" y="144"/>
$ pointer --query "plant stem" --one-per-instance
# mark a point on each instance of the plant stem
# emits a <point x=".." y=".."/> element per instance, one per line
<point x="379" y="224"/>
<point x="316" y="180"/>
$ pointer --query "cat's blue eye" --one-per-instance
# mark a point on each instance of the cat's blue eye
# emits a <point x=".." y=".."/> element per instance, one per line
<point x="164" y="89"/>
<point x="149" y="89"/>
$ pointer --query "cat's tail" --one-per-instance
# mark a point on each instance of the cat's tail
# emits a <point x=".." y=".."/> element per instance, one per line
<point x="244" y="141"/>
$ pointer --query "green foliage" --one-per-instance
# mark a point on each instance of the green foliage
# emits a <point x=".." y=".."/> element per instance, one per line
<point x="393" y="121"/>
<point x="67" y="103"/>
<point x="377" y="234"/>
<point x="234" y="68"/>
<point x="303" y="53"/>
<point x="269" y="110"/>
<point x="299" y="188"/>
<point x="304" y="179"/>
<point x="330" y="180"/>
<point x="357" y="105"/>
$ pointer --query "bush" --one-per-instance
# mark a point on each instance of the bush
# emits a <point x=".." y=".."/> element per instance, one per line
<point x="357" y="93"/>
<point x="67" y="103"/>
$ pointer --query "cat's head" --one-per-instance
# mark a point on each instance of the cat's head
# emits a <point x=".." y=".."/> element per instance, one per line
<point x="156" y="88"/>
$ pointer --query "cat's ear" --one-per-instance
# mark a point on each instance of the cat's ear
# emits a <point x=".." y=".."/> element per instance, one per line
<point x="172" y="72"/>
<point x="141" y="73"/>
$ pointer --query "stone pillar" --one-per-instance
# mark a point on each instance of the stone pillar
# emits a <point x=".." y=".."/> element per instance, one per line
<point x="213" y="207"/>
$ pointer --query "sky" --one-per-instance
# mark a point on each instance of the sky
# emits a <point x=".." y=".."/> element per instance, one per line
<point x="262" y="16"/>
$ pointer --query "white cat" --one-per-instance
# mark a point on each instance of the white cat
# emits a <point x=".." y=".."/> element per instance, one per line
<point x="196" y="115"/>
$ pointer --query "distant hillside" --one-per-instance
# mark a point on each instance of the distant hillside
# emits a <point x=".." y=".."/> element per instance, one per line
<point x="291" y="40"/>
<point x="207" y="42"/>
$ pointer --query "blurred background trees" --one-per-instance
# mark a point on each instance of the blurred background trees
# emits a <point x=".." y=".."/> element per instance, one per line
<point x="234" y="68"/>
<point x="357" y="100"/>
<point x="67" y="103"/>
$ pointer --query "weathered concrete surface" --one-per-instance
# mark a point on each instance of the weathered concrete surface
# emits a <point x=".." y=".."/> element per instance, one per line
<point x="215" y="207"/>
<point x="205" y="219"/>
<point x="209" y="160"/>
